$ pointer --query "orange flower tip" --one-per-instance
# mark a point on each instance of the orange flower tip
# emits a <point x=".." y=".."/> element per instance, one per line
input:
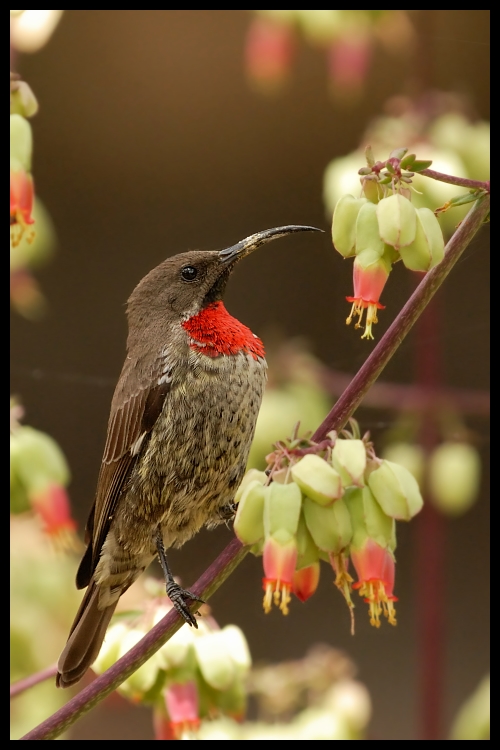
<point x="365" y="303"/>
<point x="180" y="727"/>
<point x="305" y="581"/>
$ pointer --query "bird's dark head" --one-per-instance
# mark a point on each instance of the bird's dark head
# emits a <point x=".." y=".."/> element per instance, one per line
<point x="183" y="285"/>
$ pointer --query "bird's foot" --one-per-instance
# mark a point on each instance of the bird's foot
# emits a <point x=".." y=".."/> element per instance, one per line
<point x="227" y="512"/>
<point x="180" y="598"/>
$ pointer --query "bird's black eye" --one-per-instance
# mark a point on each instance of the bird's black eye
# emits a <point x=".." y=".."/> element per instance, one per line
<point x="189" y="273"/>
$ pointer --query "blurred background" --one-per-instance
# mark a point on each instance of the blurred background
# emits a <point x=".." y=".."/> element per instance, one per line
<point x="163" y="131"/>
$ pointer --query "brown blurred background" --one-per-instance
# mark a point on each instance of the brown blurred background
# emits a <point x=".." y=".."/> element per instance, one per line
<point x="149" y="141"/>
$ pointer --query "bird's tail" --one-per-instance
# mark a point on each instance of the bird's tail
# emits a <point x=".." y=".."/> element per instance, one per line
<point x="85" y="638"/>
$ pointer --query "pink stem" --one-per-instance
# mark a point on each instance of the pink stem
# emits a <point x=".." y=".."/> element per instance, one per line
<point x="452" y="180"/>
<point x="430" y="546"/>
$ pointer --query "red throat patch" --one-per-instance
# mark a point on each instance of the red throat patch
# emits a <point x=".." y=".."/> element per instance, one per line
<point x="214" y="332"/>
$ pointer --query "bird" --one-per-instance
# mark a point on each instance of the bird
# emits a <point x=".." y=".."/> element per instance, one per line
<point x="182" y="419"/>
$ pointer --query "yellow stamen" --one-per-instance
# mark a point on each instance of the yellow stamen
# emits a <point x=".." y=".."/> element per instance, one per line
<point x="375" y="594"/>
<point x="268" y="598"/>
<point x="285" y="598"/>
<point x="343" y="581"/>
<point x="278" y="593"/>
<point x="19" y="228"/>
<point x="356" y="309"/>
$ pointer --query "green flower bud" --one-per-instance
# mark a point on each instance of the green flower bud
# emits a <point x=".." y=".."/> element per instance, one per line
<point x="214" y="661"/>
<point x="110" y="648"/>
<point x="249" y="521"/>
<point x="396" y="490"/>
<point x="38" y="459"/>
<point x="177" y="653"/>
<point x="119" y="640"/>
<point x="306" y="547"/>
<point x="397" y="220"/>
<point x="282" y="504"/>
<point x="351" y="700"/>
<point x="349" y="459"/>
<point x="21" y="142"/>
<point x="250" y="476"/>
<point x="427" y="249"/>
<point x="344" y="224"/>
<point x="369" y="520"/>
<point x="317" y="479"/>
<point x="367" y="231"/>
<point x="321" y="724"/>
<point x="473" y="719"/>
<point x="237" y="647"/>
<point x="22" y="100"/>
<point x="454" y="477"/>
<point x="330" y="527"/>
<point x="409" y="455"/>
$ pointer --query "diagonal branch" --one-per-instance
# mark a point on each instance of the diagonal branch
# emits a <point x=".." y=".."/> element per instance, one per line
<point x="231" y="557"/>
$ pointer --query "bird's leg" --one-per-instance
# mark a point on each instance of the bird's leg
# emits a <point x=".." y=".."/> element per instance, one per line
<point x="176" y="593"/>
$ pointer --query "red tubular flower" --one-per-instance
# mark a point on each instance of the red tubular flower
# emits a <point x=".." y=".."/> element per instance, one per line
<point x="181" y="700"/>
<point x="376" y="570"/>
<point x="53" y="507"/>
<point x="279" y="568"/>
<point x="268" y="53"/>
<point x="305" y="581"/>
<point x="349" y="58"/>
<point x="369" y="280"/>
<point x="21" y="205"/>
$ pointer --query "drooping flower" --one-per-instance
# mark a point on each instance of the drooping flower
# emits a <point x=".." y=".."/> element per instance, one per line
<point x="279" y="568"/>
<point x="376" y="571"/>
<point x="349" y="59"/>
<point x="369" y="276"/>
<point x="269" y="51"/>
<point x="282" y="504"/>
<point x="53" y="507"/>
<point x="176" y="711"/>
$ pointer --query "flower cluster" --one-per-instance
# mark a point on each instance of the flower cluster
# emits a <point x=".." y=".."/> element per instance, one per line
<point x="348" y="38"/>
<point x="383" y="227"/>
<point x="334" y="501"/>
<point x="197" y="674"/>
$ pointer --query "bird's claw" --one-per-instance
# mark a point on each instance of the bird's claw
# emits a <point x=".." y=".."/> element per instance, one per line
<point x="180" y="599"/>
<point x="227" y="512"/>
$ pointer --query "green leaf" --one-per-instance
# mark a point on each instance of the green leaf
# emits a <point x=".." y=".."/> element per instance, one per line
<point x="408" y="161"/>
<point x="421" y="164"/>
<point x="398" y="153"/>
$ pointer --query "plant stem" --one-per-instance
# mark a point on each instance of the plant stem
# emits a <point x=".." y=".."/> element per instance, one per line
<point x="452" y="180"/>
<point x="430" y="533"/>
<point x="231" y="557"/>
<point x="34" y="679"/>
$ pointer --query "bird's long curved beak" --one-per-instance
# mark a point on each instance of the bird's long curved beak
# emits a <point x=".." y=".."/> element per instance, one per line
<point x="249" y="244"/>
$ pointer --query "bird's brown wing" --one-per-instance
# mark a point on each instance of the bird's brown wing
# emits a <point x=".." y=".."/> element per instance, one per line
<point x="129" y="428"/>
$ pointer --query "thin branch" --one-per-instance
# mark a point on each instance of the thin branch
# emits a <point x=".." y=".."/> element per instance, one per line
<point x="409" y="396"/>
<point x="452" y="180"/>
<point x="231" y="557"/>
<point x="34" y="679"/>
